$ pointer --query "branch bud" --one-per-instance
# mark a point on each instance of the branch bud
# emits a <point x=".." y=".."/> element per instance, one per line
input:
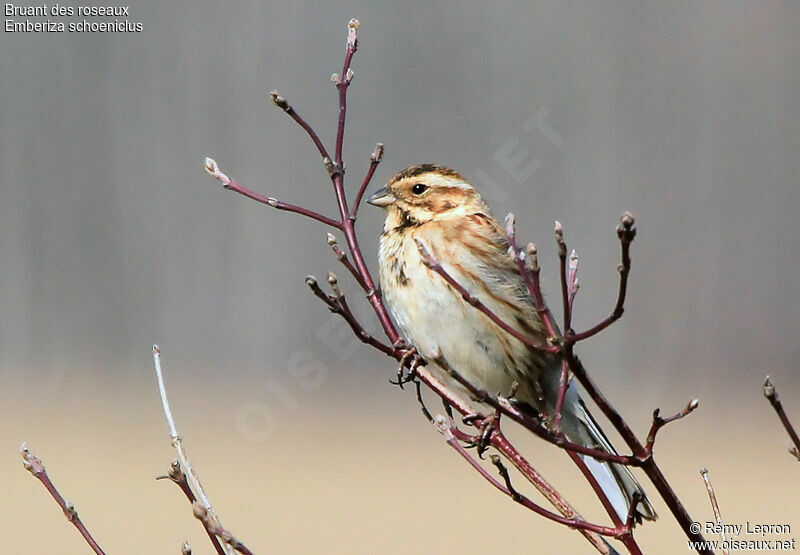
<point x="272" y="201"/>
<point x="440" y="422"/>
<point x="769" y="388"/>
<point x="334" y="283"/>
<point x="559" y="232"/>
<point x="626" y="230"/>
<point x="510" y="226"/>
<point x="627" y="220"/>
<point x="349" y="75"/>
<point x="352" y="38"/>
<point x="329" y="165"/>
<point x="331" y="239"/>
<point x="336" y="79"/>
<point x="279" y="101"/>
<point x="213" y="170"/>
<point x="377" y="154"/>
<point x="26" y="456"/>
<point x="693" y="404"/>
<point x="199" y="511"/>
<point x="186" y="549"/>
<point x="533" y="257"/>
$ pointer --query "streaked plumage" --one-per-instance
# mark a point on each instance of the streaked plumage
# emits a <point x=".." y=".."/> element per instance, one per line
<point x="439" y="208"/>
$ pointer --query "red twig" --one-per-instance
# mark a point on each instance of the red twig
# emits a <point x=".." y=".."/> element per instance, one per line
<point x="772" y="396"/>
<point x="434" y="265"/>
<point x="518" y="497"/>
<point x="342" y="257"/>
<point x="626" y="232"/>
<point x="343" y="84"/>
<point x="375" y="159"/>
<point x="34" y="465"/>
<point x="281" y="103"/>
<point x="338" y="304"/>
<point x="499" y="442"/>
<point x="562" y="267"/>
<point x="508" y="409"/>
<point x="232" y="185"/>
<point x="528" y="267"/>
<point x="572" y="280"/>
<point x="644" y="455"/>
<point x="659" y="423"/>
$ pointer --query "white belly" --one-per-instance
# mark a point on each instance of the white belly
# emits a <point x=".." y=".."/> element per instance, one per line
<point x="435" y="319"/>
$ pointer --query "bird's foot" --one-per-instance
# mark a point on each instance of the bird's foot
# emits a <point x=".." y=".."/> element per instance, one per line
<point x="407" y="369"/>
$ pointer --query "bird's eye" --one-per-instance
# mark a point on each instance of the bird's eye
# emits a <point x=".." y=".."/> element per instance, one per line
<point x="419" y="188"/>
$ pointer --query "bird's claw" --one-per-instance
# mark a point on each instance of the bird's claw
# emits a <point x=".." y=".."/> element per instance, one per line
<point x="407" y="369"/>
<point x="485" y="437"/>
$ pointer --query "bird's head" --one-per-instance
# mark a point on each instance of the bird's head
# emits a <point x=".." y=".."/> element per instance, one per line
<point x="426" y="193"/>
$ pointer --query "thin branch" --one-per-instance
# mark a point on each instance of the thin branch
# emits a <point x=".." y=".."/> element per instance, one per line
<point x="434" y="265"/>
<point x="562" y="266"/>
<point x="563" y="384"/>
<point x="232" y="185"/>
<point x="338" y="305"/>
<point x="659" y="422"/>
<point x="374" y="160"/>
<point x="575" y="523"/>
<point x="626" y="233"/>
<point x="528" y="267"/>
<point x="177" y="442"/>
<point x="714" y="506"/>
<point x="772" y="396"/>
<point x="343" y="84"/>
<point x="507" y="408"/>
<point x="337" y="177"/>
<point x="572" y="281"/>
<point x="342" y="257"/>
<point x="34" y="465"/>
<point x="177" y="476"/>
<point x="281" y="103"/>
<point x="214" y="527"/>
<point x="501" y="443"/>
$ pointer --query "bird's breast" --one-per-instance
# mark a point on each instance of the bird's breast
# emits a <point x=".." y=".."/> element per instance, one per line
<point x="437" y="320"/>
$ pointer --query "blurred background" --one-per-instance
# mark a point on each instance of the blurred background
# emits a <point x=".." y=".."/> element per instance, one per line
<point x="112" y="238"/>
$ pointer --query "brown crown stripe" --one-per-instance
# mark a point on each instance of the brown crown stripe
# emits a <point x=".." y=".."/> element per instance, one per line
<point x="414" y="171"/>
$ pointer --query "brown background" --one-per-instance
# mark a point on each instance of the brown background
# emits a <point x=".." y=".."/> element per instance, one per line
<point x="112" y="238"/>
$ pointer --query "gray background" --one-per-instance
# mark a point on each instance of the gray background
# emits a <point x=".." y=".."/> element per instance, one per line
<point x="112" y="237"/>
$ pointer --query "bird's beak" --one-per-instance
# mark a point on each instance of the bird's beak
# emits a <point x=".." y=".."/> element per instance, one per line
<point x="382" y="198"/>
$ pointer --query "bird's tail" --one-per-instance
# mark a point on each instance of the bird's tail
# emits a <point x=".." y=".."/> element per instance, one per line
<point x="616" y="480"/>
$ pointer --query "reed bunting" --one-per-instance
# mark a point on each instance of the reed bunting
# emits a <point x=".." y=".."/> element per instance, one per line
<point x="435" y="206"/>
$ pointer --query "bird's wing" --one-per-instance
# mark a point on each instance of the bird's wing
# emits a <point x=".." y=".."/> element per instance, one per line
<point x="485" y="247"/>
